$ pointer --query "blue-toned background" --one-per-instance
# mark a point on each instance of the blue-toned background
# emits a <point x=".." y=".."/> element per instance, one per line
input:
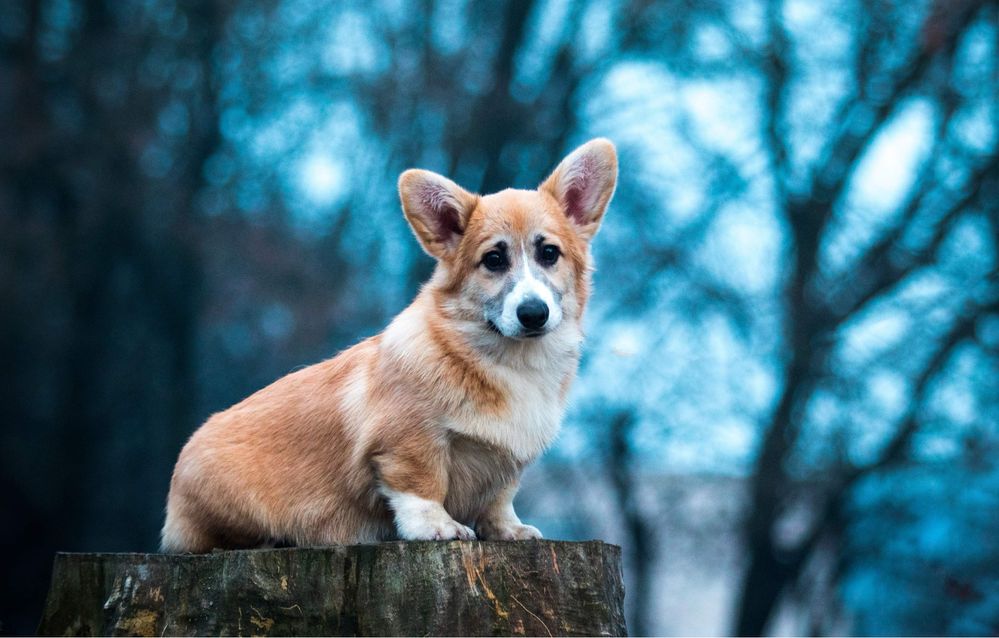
<point x="788" y="409"/>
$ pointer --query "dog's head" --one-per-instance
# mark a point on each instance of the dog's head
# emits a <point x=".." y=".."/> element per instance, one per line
<point x="517" y="261"/>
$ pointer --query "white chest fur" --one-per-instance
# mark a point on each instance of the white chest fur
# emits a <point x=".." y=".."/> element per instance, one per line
<point x="531" y="375"/>
<point x="534" y="388"/>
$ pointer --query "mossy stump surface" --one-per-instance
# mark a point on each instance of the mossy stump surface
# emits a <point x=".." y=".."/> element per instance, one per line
<point x="534" y="588"/>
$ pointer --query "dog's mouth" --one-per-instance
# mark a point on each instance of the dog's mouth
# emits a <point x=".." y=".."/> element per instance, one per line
<point x="530" y="334"/>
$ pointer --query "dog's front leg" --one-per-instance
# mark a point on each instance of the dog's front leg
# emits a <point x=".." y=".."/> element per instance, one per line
<point x="413" y="479"/>
<point x="418" y="518"/>
<point x="500" y="522"/>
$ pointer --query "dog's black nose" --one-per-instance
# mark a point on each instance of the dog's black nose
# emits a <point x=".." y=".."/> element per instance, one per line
<point x="533" y="313"/>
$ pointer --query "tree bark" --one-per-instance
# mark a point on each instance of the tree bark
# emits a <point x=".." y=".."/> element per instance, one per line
<point x="540" y="588"/>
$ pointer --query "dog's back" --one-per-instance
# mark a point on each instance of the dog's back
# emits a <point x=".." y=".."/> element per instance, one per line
<point x="280" y="465"/>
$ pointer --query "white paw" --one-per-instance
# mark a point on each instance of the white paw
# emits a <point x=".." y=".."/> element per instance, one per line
<point x="440" y="530"/>
<point x="507" y="531"/>
<point x="418" y="519"/>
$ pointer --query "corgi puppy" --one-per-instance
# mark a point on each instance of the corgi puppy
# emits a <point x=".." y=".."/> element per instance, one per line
<point x="420" y="432"/>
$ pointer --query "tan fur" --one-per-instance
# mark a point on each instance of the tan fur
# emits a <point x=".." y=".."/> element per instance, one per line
<point x="438" y="407"/>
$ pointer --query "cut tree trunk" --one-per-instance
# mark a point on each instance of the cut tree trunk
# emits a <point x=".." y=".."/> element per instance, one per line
<point x="541" y="588"/>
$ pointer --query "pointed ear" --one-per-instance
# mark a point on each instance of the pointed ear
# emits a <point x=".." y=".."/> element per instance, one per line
<point x="437" y="209"/>
<point x="584" y="183"/>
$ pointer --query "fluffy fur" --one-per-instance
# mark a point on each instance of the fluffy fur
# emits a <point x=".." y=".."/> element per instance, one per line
<point x="422" y="431"/>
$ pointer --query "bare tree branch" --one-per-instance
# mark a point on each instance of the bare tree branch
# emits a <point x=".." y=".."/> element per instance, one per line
<point x="873" y="262"/>
<point x="886" y="273"/>
<point x="836" y="488"/>
<point x="862" y="122"/>
<point x="894" y="451"/>
<point x="775" y="70"/>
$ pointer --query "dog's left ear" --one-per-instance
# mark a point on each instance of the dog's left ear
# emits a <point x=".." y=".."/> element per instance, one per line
<point x="437" y="209"/>
<point x="583" y="183"/>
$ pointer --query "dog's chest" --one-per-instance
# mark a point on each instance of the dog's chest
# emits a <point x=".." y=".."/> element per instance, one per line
<point x="477" y="472"/>
<point x="530" y="419"/>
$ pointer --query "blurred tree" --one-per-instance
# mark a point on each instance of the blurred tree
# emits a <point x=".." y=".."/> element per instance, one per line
<point x="819" y="302"/>
<point x="109" y="116"/>
<point x="639" y="529"/>
<point x="882" y="285"/>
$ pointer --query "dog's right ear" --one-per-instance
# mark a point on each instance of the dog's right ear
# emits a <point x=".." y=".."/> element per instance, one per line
<point x="583" y="183"/>
<point x="437" y="209"/>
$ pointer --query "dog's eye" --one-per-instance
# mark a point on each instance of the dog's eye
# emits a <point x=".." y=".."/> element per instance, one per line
<point x="494" y="260"/>
<point x="548" y="254"/>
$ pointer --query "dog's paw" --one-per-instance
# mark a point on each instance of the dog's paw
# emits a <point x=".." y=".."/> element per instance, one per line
<point x="419" y="519"/>
<point x="439" y="530"/>
<point x="507" y="531"/>
<point x="454" y="531"/>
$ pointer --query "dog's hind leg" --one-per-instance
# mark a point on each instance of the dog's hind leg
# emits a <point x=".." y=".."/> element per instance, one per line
<point x="183" y="532"/>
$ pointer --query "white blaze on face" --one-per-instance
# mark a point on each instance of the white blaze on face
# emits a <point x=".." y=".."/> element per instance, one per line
<point x="527" y="286"/>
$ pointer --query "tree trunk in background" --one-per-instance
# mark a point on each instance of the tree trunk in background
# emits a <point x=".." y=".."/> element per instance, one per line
<point x="640" y="540"/>
<point x="762" y="585"/>
<point x="541" y="588"/>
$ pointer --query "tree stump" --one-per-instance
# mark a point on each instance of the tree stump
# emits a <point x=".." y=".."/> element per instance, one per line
<point x="540" y="588"/>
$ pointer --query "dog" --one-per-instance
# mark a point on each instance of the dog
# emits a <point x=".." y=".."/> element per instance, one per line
<point x="420" y="432"/>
